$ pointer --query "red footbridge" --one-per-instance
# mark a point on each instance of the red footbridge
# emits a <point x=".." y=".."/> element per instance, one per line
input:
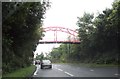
<point x="55" y="29"/>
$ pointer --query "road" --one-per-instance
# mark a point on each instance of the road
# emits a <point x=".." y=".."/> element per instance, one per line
<point x="67" y="70"/>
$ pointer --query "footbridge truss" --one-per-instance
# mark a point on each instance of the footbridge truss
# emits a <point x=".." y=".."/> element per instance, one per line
<point x="55" y="29"/>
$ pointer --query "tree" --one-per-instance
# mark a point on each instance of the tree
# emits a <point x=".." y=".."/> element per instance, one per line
<point x="21" y="31"/>
<point x="40" y="57"/>
<point x="99" y="38"/>
<point x="86" y="29"/>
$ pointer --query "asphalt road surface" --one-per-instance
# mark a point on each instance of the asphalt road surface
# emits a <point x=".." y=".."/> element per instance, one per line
<point x="68" y="70"/>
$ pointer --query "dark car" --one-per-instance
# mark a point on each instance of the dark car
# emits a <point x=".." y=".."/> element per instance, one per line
<point x="46" y="64"/>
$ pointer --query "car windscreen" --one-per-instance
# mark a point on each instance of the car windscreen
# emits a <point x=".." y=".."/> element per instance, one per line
<point x="46" y="61"/>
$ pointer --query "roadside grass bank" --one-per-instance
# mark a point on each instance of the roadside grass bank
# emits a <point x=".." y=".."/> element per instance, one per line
<point x="21" y="73"/>
<point x="90" y="64"/>
<point x="96" y="65"/>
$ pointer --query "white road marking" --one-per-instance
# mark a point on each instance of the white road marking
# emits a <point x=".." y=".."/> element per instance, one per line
<point x="60" y="69"/>
<point x="68" y="74"/>
<point x="38" y="66"/>
<point x="35" y="73"/>
<point x="91" y="70"/>
<point x="116" y="74"/>
<point x="64" y="71"/>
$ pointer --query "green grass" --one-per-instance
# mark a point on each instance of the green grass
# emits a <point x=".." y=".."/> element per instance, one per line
<point x="24" y="72"/>
<point x="90" y="64"/>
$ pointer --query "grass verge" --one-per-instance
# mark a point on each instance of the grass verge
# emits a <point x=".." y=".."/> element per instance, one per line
<point x="90" y="64"/>
<point x="24" y="72"/>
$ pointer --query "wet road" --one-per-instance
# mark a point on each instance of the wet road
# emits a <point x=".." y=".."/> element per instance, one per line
<point x="67" y="70"/>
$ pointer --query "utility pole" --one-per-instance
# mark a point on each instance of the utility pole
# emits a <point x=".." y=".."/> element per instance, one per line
<point x="68" y="46"/>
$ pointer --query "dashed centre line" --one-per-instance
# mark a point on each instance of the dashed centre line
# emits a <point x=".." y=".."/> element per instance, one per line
<point x="69" y="74"/>
<point x="60" y="69"/>
<point x="91" y="70"/>
<point x="65" y="72"/>
<point x="116" y="74"/>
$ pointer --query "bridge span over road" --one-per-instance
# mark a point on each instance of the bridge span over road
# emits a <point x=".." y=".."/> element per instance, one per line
<point x="71" y="39"/>
<point x="65" y="42"/>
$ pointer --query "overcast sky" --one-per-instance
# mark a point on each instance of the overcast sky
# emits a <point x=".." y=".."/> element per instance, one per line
<point x="64" y="13"/>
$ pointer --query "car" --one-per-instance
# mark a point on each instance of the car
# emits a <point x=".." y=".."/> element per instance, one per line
<point x="37" y="62"/>
<point x="46" y="64"/>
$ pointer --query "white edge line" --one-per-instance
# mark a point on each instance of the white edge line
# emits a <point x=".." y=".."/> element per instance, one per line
<point x="35" y="73"/>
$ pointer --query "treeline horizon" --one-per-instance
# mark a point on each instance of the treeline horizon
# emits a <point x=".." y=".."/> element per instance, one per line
<point x="99" y="38"/>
